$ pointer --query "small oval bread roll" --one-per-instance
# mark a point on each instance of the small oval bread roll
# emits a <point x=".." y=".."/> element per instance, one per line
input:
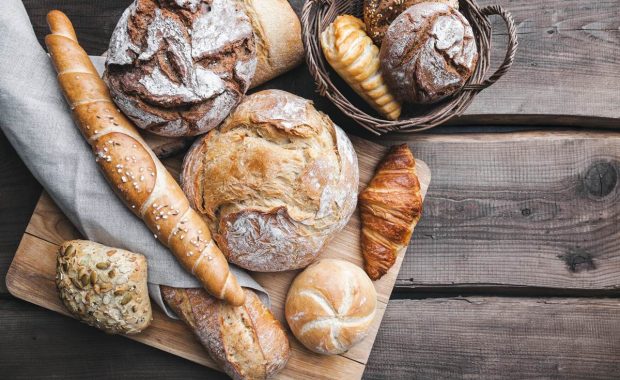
<point x="330" y="306"/>
<point x="104" y="287"/>
<point x="274" y="182"/>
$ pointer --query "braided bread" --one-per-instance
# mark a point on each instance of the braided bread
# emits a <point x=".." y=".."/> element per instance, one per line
<point x="350" y="51"/>
<point x="390" y="208"/>
<point x="133" y="170"/>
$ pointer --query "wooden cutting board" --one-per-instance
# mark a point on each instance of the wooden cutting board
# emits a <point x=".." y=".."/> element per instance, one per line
<point x="32" y="273"/>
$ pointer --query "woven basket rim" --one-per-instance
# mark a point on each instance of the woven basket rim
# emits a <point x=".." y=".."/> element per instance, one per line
<point x="318" y="14"/>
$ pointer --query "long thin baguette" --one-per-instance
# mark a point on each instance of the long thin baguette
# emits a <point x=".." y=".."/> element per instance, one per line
<point x="133" y="170"/>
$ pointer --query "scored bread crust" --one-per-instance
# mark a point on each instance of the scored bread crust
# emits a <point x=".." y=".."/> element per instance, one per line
<point x="390" y="208"/>
<point x="350" y="51"/>
<point x="246" y="341"/>
<point x="428" y="53"/>
<point x="132" y="169"/>
<point x="330" y="306"/>
<point x="277" y="33"/>
<point x="379" y="14"/>
<point x="275" y="181"/>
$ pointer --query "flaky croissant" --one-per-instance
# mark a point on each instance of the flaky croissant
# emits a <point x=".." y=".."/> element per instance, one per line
<point x="390" y="208"/>
<point x="354" y="56"/>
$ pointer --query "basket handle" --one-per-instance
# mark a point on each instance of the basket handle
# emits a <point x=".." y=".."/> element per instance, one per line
<point x="510" y="52"/>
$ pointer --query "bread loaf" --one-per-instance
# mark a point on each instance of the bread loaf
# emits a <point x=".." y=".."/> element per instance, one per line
<point x="330" y="306"/>
<point x="379" y="14"/>
<point x="246" y="341"/>
<point x="177" y="68"/>
<point x="277" y="34"/>
<point x="104" y="287"/>
<point x="133" y="170"/>
<point x="390" y="207"/>
<point x="428" y="53"/>
<point x="355" y="58"/>
<point x="275" y="181"/>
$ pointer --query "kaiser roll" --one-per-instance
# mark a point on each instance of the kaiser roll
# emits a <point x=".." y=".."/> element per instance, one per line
<point x="274" y="182"/>
<point x="428" y="53"/>
<point x="330" y="306"/>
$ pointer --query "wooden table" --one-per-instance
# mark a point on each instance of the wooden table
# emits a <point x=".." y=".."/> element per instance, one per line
<point x="492" y="302"/>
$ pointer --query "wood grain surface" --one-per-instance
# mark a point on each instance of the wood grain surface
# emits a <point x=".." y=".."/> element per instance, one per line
<point x="498" y="338"/>
<point x="565" y="71"/>
<point x="32" y="273"/>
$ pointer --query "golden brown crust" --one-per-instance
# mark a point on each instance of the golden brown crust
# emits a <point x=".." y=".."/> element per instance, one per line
<point x="246" y="341"/>
<point x="379" y="14"/>
<point x="132" y="169"/>
<point x="355" y="58"/>
<point x="390" y="208"/>
<point x="275" y="181"/>
<point x="330" y="306"/>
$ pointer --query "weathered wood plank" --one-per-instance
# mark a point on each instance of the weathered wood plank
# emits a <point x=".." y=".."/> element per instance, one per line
<point x="498" y="338"/>
<point x="19" y="193"/>
<point x="565" y="72"/>
<point x="37" y="344"/>
<point x="514" y="210"/>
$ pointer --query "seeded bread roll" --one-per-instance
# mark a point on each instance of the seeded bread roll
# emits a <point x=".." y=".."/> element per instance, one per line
<point x="246" y="341"/>
<point x="356" y="59"/>
<point x="104" y="287"/>
<point x="177" y="68"/>
<point x="428" y="53"/>
<point x="274" y="182"/>
<point x="330" y="306"/>
<point x="132" y="169"/>
<point x="379" y="14"/>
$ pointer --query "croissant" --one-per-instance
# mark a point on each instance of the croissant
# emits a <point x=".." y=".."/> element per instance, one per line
<point x="131" y="167"/>
<point x="390" y="208"/>
<point x="354" y="56"/>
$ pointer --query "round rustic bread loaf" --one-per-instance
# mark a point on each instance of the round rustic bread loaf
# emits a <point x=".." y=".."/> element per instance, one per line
<point x="379" y="14"/>
<point x="330" y="306"/>
<point x="274" y="182"/>
<point x="428" y="53"/>
<point x="177" y="68"/>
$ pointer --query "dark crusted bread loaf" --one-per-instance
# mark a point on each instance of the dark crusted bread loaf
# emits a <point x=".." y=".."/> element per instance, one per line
<point x="379" y="14"/>
<point x="428" y="53"/>
<point x="177" y="68"/>
<point x="274" y="182"/>
<point x="246" y="341"/>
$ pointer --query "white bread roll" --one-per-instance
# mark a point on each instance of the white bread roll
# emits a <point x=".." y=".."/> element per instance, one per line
<point x="330" y="306"/>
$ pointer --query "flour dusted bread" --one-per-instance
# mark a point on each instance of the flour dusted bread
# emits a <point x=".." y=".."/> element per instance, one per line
<point x="104" y="287"/>
<point x="274" y="182"/>
<point x="428" y="53"/>
<point x="330" y="306"/>
<point x="132" y="169"/>
<point x="390" y="207"/>
<point x="350" y="51"/>
<point x="177" y="68"/>
<point x="379" y="14"/>
<point x="277" y="35"/>
<point x="246" y="341"/>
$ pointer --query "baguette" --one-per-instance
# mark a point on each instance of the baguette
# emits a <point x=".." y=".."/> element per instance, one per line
<point x="131" y="167"/>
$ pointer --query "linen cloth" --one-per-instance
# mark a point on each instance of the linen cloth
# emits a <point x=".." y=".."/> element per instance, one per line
<point x="37" y="122"/>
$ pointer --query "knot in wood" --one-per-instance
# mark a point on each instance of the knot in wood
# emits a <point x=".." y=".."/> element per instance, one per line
<point x="601" y="178"/>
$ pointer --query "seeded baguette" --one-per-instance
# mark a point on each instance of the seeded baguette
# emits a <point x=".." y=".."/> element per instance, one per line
<point x="131" y="167"/>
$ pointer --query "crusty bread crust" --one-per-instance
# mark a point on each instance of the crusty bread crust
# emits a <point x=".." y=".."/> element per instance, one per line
<point x="275" y="181"/>
<point x="330" y="306"/>
<point x="131" y="167"/>
<point x="247" y="341"/>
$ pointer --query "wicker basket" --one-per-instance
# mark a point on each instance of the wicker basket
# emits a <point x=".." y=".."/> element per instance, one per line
<point x="318" y="14"/>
